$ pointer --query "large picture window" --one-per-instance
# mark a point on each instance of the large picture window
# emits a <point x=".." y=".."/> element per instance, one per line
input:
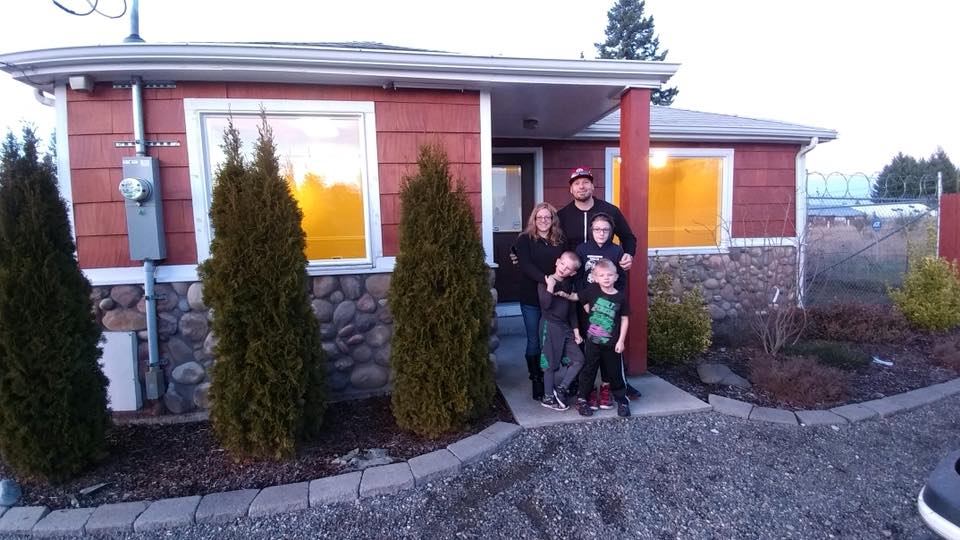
<point x="689" y="197"/>
<point x="326" y="156"/>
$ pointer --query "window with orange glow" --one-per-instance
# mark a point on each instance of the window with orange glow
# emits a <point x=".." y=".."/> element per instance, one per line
<point x="685" y="199"/>
<point x="321" y="158"/>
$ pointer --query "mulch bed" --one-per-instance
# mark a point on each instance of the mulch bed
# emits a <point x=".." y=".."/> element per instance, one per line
<point x="154" y="461"/>
<point x="912" y="368"/>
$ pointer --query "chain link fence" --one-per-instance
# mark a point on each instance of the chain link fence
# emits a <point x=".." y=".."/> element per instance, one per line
<point x="861" y="232"/>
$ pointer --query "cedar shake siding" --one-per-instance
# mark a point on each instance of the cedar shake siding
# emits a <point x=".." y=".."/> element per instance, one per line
<point x="96" y="120"/>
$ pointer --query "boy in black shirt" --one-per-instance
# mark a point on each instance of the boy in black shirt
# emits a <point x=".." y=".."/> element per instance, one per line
<point x="559" y="335"/>
<point x="606" y="337"/>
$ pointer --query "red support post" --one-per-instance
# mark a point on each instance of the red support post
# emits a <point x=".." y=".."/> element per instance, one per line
<point x="634" y="203"/>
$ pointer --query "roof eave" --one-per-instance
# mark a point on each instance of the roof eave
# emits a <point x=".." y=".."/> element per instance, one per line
<point x="240" y="62"/>
<point x="713" y="135"/>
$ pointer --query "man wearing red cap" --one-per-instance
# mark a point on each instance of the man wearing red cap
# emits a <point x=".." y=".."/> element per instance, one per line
<point x="575" y="217"/>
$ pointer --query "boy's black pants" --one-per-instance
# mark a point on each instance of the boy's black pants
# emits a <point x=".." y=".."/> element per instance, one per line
<point x="608" y="361"/>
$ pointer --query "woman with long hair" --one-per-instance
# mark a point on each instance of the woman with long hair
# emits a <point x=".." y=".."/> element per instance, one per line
<point x="537" y="248"/>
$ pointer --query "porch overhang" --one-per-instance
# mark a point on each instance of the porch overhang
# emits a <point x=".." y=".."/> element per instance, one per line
<point x="530" y="97"/>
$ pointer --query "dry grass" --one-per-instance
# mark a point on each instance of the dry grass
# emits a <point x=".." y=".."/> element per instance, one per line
<point x="947" y="353"/>
<point x="799" y="381"/>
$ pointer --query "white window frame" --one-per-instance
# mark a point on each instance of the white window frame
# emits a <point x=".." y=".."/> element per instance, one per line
<point x="201" y="178"/>
<point x="726" y="193"/>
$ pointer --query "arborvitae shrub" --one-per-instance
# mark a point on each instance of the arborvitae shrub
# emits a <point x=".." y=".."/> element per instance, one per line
<point x="930" y="296"/>
<point x="441" y="305"/>
<point x="677" y="330"/>
<point x="53" y="395"/>
<point x="268" y="375"/>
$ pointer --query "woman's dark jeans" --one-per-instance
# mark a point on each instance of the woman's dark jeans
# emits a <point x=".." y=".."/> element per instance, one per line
<point x="531" y="321"/>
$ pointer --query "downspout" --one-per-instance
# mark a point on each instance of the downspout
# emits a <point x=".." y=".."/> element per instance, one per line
<point x="43" y="98"/>
<point x="801" y="219"/>
<point x="149" y="266"/>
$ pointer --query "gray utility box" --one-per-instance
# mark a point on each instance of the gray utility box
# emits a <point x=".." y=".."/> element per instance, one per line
<point x="140" y="188"/>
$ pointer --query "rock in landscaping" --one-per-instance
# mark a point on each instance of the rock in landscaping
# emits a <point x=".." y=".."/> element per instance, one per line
<point x="119" y="320"/>
<point x="350" y="287"/>
<point x="209" y="344"/>
<point x="367" y="304"/>
<point x="323" y="310"/>
<point x="369" y="376"/>
<point x="323" y="286"/>
<point x="189" y="373"/>
<point x="379" y="336"/>
<point x="378" y="285"/>
<point x="175" y="402"/>
<point x="195" y="297"/>
<point x="201" y="396"/>
<point x="126" y="296"/>
<point x="712" y="373"/>
<point x="344" y="313"/>
<point x="107" y="304"/>
<point x="194" y="326"/>
<point x="9" y="492"/>
<point x="355" y="460"/>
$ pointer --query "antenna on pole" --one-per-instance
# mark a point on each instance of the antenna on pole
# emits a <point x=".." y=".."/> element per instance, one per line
<point x="134" y="36"/>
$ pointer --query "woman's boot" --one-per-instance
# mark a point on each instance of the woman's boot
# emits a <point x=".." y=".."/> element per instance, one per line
<point x="536" y="375"/>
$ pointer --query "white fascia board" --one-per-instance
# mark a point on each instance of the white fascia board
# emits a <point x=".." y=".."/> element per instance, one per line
<point x="241" y="62"/>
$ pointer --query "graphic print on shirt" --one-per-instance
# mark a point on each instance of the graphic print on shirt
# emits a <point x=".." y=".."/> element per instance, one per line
<point x="588" y="266"/>
<point x="602" y="314"/>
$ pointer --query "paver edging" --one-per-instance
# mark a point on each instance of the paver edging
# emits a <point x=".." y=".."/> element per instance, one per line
<point x="851" y="412"/>
<point x="495" y="436"/>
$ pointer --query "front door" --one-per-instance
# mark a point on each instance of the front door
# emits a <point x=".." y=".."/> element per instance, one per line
<point x="513" y="179"/>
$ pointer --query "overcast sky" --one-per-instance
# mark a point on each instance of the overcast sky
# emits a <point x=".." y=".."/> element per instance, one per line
<point x="882" y="73"/>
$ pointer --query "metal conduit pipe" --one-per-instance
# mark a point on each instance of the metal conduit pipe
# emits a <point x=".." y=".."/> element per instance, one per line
<point x="149" y="266"/>
<point x="800" y="223"/>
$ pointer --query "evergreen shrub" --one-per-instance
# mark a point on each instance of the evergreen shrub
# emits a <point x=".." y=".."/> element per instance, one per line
<point x="930" y="296"/>
<point x="53" y="395"/>
<point x="441" y="305"/>
<point x="267" y="389"/>
<point x="678" y="330"/>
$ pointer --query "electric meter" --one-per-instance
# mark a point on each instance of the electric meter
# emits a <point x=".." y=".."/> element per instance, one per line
<point x="135" y="189"/>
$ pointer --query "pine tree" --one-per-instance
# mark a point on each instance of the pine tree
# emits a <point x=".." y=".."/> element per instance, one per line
<point x="906" y="177"/>
<point x="441" y="305"/>
<point x="630" y="36"/>
<point x="268" y="376"/>
<point x="53" y="395"/>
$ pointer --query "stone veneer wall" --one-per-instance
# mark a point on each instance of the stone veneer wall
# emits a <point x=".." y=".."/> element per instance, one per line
<point x="355" y="329"/>
<point x="735" y="283"/>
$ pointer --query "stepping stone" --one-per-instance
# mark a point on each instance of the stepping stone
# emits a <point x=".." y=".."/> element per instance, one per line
<point x="280" y="499"/>
<point x="437" y="464"/>
<point x="68" y="522"/>
<point x="386" y="480"/>
<point x="167" y="514"/>
<point x="21" y="519"/>
<point x="335" y="489"/>
<point x="225" y="507"/>
<point x="712" y="373"/>
<point x="114" y="518"/>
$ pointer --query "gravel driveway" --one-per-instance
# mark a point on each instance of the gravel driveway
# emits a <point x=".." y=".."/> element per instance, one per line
<point x="695" y="476"/>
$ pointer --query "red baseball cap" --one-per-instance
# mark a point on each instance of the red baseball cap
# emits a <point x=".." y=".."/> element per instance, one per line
<point x="580" y="172"/>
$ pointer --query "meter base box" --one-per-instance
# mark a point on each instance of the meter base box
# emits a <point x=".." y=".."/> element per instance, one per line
<point x="144" y="216"/>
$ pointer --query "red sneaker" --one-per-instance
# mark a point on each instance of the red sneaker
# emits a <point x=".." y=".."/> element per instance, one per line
<point x="606" y="402"/>
<point x="593" y="401"/>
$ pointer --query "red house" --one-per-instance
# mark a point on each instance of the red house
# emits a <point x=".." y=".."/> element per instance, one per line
<point x="715" y="195"/>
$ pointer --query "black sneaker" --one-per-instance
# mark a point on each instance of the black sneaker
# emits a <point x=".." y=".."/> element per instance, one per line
<point x="562" y="395"/>
<point x="551" y="403"/>
<point x="583" y="407"/>
<point x="631" y="392"/>
<point x="623" y="408"/>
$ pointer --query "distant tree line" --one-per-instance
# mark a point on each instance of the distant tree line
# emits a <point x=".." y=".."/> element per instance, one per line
<point x="908" y="177"/>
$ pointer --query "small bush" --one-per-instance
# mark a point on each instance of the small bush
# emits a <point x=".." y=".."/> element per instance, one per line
<point x="831" y="353"/>
<point x="930" y="296"/>
<point x="677" y="330"/>
<point x="947" y="353"/>
<point x="858" y="323"/>
<point x="799" y="380"/>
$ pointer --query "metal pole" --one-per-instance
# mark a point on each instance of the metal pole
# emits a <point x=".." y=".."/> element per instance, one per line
<point x="939" y="197"/>
<point x="134" y="36"/>
<point x="138" y="131"/>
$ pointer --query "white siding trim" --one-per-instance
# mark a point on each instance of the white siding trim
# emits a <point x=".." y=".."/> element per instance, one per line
<point x="486" y="177"/>
<point x="537" y="152"/>
<point x="63" y="155"/>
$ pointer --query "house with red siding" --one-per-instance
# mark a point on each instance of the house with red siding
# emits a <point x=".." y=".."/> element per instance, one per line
<point x="714" y="199"/>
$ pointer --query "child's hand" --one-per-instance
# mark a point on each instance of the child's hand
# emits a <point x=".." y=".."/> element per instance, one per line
<point x="618" y="348"/>
<point x="576" y="337"/>
<point x="551" y="282"/>
<point x="562" y="294"/>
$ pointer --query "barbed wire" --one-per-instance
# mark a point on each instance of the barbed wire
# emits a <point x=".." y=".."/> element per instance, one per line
<point x="870" y="188"/>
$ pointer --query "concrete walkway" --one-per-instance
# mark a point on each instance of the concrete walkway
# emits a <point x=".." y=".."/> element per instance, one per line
<point x="659" y="398"/>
